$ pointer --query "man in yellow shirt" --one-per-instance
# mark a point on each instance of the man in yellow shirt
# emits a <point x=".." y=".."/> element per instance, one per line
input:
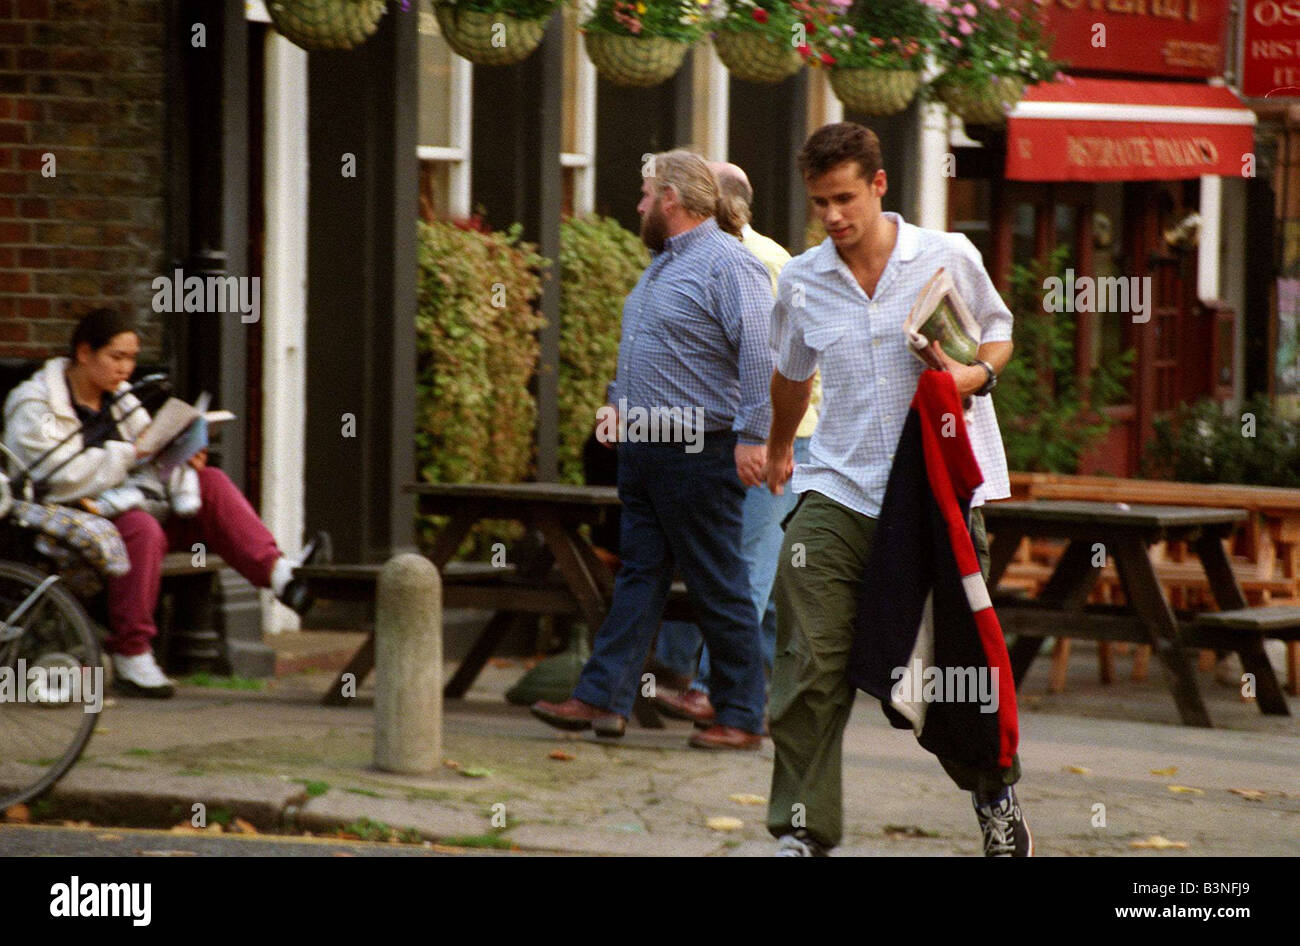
<point x="679" y="641"/>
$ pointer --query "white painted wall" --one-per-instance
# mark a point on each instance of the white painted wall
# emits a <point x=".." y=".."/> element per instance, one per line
<point x="284" y="312"/>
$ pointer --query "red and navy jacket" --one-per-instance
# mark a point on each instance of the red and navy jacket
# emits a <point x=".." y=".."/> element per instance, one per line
<point x="924" y="614"/>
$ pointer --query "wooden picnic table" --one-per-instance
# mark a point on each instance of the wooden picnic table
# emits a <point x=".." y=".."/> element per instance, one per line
<point x="1095" y="530"/>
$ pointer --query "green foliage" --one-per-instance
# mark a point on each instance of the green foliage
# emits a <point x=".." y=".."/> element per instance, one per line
<point x="1203" y="443"/>
<point x="233" y="682"/>
<point x="600" y="262"/>
<point x="1048" y="418"/>
<point x="477" y="348"/>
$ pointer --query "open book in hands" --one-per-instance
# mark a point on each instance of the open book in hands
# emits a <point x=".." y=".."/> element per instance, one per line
<point x="177" y="432"/>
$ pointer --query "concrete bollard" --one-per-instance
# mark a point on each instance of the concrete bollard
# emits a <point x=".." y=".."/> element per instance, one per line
<point x="408" y="666"/>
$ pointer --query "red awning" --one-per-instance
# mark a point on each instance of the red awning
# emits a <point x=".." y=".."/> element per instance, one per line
<point x="1107" y="130"/>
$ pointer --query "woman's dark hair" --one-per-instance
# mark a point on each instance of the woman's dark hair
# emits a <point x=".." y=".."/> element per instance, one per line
<point x="832" y="145"/>
<point x="98" y="328"/>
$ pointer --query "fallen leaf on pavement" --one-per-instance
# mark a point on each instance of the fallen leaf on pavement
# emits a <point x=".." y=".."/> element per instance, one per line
<point x="895" y="831"/>
<point x="185" y="828"/>
<point x="501" y="662"/>
<point x="1250" y="794"/>
<point x="1157" y="843"/>
<point x="562" y="756"/>
<point x="244" y="827"/>
<point x="745" y="798"/>
<point x="1078" y="769"/>
<point x="342" y="854"/>
<point x="1184" y="790"/>
<point x="451" y="763"/>
<point x="448" y="849"/>
<point x="18" y="814"/>
<point x="108" y="837"/>
<point x="476" y="773"/>
<point x="1169" y="771"/>
<point x="216" y="827"/>
<point x="723" y="823"/>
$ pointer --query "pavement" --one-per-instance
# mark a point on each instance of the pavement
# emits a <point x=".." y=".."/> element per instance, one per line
<point x="1107" y="770"/>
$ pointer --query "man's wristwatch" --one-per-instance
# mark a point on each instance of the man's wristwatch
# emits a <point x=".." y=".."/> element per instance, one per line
<point x="992" y="381"/>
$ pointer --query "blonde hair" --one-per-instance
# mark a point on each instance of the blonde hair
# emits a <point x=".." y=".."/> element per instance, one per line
<point x="688" y="174"/>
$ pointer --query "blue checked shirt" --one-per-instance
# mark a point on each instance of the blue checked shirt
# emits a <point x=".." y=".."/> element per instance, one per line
<point x="696" y="334"/>
<point x="822" y="317"/>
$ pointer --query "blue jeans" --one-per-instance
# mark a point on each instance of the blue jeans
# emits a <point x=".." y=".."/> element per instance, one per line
<point x="679" y="641"/>
<point x="681" y="511"/>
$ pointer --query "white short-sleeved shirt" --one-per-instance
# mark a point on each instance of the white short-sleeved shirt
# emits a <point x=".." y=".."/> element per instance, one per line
<point x="823" y="319"/>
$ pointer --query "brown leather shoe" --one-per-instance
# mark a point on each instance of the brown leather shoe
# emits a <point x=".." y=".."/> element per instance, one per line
<point x="726" y="737"/>
<point x="573" y="714"/>
<point x="692" y="705"/>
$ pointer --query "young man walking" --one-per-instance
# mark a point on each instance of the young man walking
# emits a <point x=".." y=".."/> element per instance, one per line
<point x="841" y="306"/>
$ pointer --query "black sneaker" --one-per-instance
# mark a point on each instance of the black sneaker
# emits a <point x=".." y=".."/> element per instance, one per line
<point x="1006" y="833"/>
<point x="800" y="844"/>
<point x="296" y="594"/>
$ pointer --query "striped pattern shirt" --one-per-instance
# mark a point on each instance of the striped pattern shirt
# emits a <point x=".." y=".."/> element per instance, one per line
<point x="695" y="334"/>
<point x="822" y="317"/>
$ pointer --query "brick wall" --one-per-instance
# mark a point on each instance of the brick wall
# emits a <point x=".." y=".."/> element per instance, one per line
<point x="83" y="81"/>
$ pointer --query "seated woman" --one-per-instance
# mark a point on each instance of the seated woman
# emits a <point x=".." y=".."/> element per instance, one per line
<point x="87" y="394"/>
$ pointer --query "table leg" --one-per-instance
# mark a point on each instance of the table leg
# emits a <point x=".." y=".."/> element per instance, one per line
<point x="472" y="665"/>
<point x="1067" y="589"/>
<point x="1148" y="600"/>
<point x="362" y="662"/>
<point x="449" y="539"/>
<point x="564" y="544"/>
<point x="1001" y="551"/>
<point x="1223" y="581"/>
<point x="1022" y="652"/>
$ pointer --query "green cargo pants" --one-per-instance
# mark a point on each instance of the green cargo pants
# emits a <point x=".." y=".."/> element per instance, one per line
<point x="823" y="557"/>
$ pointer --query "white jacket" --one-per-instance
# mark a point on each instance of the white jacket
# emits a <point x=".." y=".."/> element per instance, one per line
<point x="38" y="414"/>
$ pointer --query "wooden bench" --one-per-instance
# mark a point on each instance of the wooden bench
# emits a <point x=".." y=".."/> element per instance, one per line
<point x="1244" y="630"/>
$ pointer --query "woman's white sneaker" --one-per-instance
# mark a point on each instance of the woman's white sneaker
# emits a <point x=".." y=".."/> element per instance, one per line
<point x="141" y="676"/>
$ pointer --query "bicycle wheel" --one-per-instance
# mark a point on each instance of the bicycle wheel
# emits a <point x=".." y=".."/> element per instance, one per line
<point x="51" y="682"/>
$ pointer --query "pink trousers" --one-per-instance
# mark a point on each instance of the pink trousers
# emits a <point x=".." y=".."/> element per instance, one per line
<point x="226" y="526"/>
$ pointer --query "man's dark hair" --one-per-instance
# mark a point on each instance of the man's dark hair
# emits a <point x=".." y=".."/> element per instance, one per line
<point x="832" y="145"/>
<point x="99" y="327"/>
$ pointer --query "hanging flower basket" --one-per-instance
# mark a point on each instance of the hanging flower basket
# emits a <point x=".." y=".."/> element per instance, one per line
<point x="756" y="57"/>
<point x="635" y="60"/>
<point x="489" y="39"/>
<point x="873" y="91"/>
<point x="985" y="103"/>
<point x="326" y="24"/>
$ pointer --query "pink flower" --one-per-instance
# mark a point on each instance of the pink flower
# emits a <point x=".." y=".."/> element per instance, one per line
<point x="955" y="41"/>
<point x="969" y="9"/>
<point x="965" y="28"/>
